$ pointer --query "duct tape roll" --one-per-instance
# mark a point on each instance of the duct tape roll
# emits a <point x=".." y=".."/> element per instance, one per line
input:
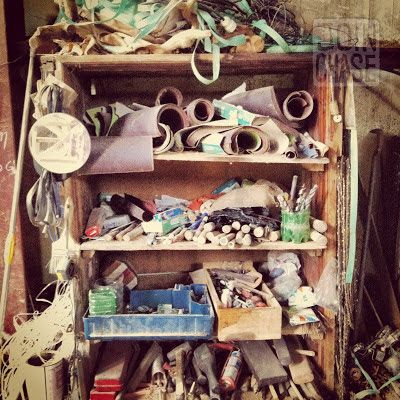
<point x="147" y="122"/>
<point x="298" y="106"/>
<point x="200" y="111"/>
<point x="169" y="95"/>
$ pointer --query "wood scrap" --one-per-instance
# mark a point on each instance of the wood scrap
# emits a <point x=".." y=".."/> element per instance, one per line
<point x="300" y="368"/>
<point x="282" y="351"/>
<point x="145" y="364"/>
<point x="262" y="362"/>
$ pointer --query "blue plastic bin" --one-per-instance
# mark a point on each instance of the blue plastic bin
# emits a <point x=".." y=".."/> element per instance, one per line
<point x="196" y="324"/>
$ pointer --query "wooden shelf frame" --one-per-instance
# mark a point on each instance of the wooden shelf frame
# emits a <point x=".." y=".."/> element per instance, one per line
<point x="75" y="70"/>
<point x="140" y="244"/>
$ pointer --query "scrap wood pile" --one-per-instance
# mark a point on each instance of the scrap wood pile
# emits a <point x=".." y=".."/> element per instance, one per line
<point x="134" y="26"/>
<point x="201" y="370"/>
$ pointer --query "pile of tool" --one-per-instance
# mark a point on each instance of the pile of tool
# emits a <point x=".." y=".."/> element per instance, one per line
<point x="204" y="370"/>
<point x="375" y="367"/>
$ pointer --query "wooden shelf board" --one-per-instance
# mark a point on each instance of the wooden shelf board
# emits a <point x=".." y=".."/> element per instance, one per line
<point x="141" y="245"/>
<point x="179" y="64"/>
<point x="249" y="158"/>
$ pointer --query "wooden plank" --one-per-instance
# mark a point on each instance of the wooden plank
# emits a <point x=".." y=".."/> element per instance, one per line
<point x="299" y="368"/>
<point x="262" y="362"/>
<point x="144" y="365"/>
<point x="282" y="351"/>
<point x="179" y="64"/>
<point x="140" y="244"/>
<point x="262" y="158"/>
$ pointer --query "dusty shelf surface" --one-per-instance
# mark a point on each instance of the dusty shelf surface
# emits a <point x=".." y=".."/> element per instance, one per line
<point x="141" y="245"/>
<point x="262" y="158"/>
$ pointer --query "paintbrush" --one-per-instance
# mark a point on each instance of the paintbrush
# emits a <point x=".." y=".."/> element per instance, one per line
<point x="65" y="250"/>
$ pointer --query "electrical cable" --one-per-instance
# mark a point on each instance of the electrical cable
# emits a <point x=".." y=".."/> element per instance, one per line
<point x="50" y="331"/>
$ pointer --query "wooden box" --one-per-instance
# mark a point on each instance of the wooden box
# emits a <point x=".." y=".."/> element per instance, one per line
<point x="244" y="323"/>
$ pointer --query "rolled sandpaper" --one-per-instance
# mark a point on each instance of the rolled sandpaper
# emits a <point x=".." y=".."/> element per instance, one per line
<point x="298" y="106"/>
<point x="146" y="122"/>
<point x="169" y="95"/>
<point x="200" y="111"/>
<point x="110" y="155"/>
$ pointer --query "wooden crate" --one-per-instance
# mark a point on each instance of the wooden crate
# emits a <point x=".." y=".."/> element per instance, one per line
<point x="244" y="323"/>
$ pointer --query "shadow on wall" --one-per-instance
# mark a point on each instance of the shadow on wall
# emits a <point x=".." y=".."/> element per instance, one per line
<point x="39" y="13"/>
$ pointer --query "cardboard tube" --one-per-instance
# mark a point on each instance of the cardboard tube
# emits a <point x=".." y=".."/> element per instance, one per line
<point x="318" y="238"/>
<point x="232" y="244"/>
<point x="133" y="233"/>
<point x="217" y="238"/>
<point x="239" y="237"/>
<point x="211" y="235"/>
<point x="245" y="228"/>
<point x="227" y="228"/>
<point x="236" y="225"/>
<point x="189" y="235"/>
<point x="121" y="234"/>
<point x="258" y="231"/>
<point x="202" y="239"/>
<point x="274" y="236"/>
<point x="209" y="226"/>
<point x="319" y="225"/>
<point x="225" y="239"/>
<point x="247" y="239"/>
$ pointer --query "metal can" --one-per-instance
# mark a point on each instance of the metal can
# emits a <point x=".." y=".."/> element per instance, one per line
<point x="231" y="371"/>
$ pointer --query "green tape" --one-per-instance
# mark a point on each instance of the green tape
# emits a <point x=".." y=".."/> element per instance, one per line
<point x="216" y="65"/>
<point x="374" y="390"/>
<point x="351" y="125"/>
<point x="273" y="34"/>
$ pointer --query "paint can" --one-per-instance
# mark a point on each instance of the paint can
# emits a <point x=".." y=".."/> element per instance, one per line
<point x="44" y="381"/>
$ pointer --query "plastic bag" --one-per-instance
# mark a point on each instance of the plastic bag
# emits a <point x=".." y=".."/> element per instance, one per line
<point x="326" y="288"/>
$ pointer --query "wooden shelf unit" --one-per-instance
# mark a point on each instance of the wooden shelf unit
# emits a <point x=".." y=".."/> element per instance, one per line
<point x="137" y="78"/>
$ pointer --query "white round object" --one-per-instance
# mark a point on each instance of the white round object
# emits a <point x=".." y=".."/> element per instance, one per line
<point x="59" y="143"/>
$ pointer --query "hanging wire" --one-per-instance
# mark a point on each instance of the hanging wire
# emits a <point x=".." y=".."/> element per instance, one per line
<point x="278" y="17"/>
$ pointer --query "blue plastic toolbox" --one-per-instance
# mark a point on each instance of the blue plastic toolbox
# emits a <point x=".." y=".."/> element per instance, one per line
<point x="195" y="323"/>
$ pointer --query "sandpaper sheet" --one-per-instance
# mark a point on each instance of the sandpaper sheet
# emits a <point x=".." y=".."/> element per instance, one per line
<point x="111" y="154"/>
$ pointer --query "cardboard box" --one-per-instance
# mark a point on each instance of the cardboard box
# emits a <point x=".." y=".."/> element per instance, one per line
<point x="262" y="323"/>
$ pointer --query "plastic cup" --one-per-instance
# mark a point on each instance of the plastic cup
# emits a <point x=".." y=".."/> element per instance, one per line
<point x="295" y="226"/>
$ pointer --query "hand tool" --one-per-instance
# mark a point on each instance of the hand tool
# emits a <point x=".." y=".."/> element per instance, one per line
<point x="65" y="248"/>
<point x="200" y="378"/>
<point x="180" y="385"/>
<point x="205" y="360"/>
<point x="185" y="346"/>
